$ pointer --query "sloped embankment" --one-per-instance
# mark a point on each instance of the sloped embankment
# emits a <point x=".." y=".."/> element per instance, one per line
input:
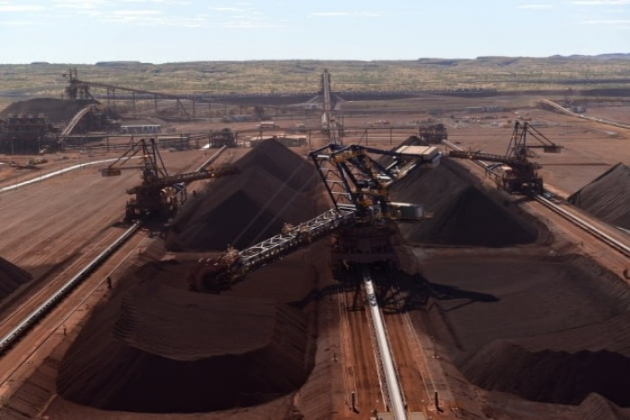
<point x="556" y="331"/>
<point x="11" y="277"/>
<point x="607" y="196"/>
<point x="275" y="186"/>
<point x="168" y="350"/>
<point x="157" y="347"/>
<point x="463" y="215"/>
<point x="56" y="110"/>
<point x="560" y="377"/>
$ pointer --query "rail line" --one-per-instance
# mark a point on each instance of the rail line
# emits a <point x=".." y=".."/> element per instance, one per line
<point x="367" y="375"/>
<point x="568" y="215"/>
<point x="392" y="384"/>
<point x="54" y="173"/>
<point x="28" y="322"/>
<point x="586" y="226"/>
<point x="426" y="376"/>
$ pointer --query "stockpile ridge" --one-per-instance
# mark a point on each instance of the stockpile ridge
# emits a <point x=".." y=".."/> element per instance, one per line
<point x="56" y="110"/>
<point x="607" y="196"/>
<point x="156" y="348"/>
<point x="556" y="331"/>
<point x="11" y="277"/>
<point x="275" y="186"/>
<point x="462" y="214"/>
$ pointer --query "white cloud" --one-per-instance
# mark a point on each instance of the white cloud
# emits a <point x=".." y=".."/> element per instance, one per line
<point x="81" y="4"/>
<point x="368" y="14"/>
<point x="329" y="14"/>
<point x="364" y="13"/>
<point x="165" y="2"/>
<point x="241" y="15"/>
<point x="6" y="7"/>
<point x="17" y="23"/>
<point x="136" y="12"/>
<point x="601" y="2"/>
<point x="228" y="9"/>
<point x="608" y="22"/>
<point x="249" y="24"/>
<point x="536" y="6"/>
<point x="234" y="15"/>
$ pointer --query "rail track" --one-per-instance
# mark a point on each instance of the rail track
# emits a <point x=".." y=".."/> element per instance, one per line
<point x="416" y="376"/>
<point x="362" y="376"/>
<point x="18" y="325"/>
<point x="584" y="225"/>
<point x="391" y="379"/>
<point x="572" y="217"/>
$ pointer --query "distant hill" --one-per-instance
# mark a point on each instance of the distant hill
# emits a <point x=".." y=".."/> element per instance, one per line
<point x="604" y="73"/>
<point x="612" y="56"/>
<point x="121" y="63"/>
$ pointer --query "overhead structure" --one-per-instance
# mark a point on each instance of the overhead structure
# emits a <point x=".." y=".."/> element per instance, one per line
<point x="26" y="134"/>
<point x="80" y="89"/>
<point x="329" y="123"/>
<point x="357" y="179"/>
<point x="159" y="195"/>
<point x="76" y="88"/>
<point x="515" y="175"/>
<point x="224" y="137"/>
<point x="518" y="142"/>
<point x="432" y="134"/>
<point x="76" y="119"/>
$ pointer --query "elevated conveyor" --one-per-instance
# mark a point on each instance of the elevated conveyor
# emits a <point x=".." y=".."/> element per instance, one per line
<point x="520" y="176"/>
<point x="357" y="184"/>
<point x="220" y="273"/>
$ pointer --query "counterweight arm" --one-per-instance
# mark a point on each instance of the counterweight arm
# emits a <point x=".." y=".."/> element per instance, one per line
<point x="357" y="183"/>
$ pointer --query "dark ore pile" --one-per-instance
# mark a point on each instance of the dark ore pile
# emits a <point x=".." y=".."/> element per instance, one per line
<point x="275" y="186"/>
<point x="11" y="277"/>
<point x="157" y="347"/>
<point x="607" y="196"/>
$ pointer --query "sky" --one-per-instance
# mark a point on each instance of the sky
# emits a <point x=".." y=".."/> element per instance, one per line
<point x="160" y="31"/>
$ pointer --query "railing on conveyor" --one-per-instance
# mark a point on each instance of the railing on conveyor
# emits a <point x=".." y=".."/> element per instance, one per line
<point x="221" y="272"/>
<point x="44" y="309"/>
<point x="488" y="157"/>
<point x="294" y="237"/>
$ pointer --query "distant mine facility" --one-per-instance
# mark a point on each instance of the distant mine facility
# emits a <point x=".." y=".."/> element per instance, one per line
<point x="40" y="125"/>
<point x="25" y="134"/>
<point x="49" y="124"/>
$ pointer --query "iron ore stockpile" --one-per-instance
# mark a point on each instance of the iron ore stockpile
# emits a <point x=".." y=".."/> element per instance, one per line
<point x="180" y="351"/>
<point x="462" y="214"/>
<point x="11" y="277"/>
<point x="275" y="186"/>
<point x="607" y="197"/>
<point x="513" y="317"/>
<point x="56" y="110"/>
<point x="521" y="331"/>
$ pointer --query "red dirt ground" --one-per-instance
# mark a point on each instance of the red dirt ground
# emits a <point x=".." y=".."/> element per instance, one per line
<point x="255" y="345"/>
<point x="520" y="331"/>
<point x="11" y="277"/>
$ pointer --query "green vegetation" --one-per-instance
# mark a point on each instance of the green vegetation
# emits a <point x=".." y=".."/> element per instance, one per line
<point x="501" y="73"/>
